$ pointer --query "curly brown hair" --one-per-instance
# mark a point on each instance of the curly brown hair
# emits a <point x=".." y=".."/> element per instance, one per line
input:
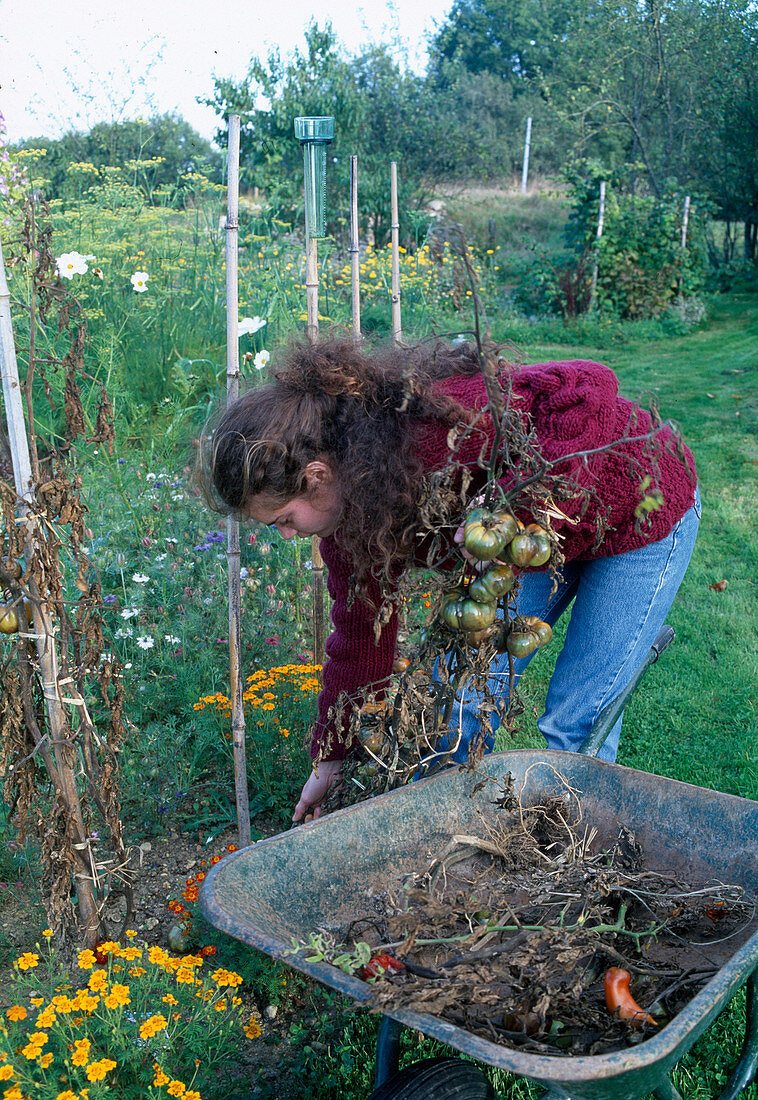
<point x="355" y="407"/>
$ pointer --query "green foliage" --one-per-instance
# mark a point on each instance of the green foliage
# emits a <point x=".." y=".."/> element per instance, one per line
<point x="151" y="154"/>
<point x="639" y="266"/>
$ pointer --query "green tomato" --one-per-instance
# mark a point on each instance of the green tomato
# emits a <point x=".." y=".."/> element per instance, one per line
<point x="521" y="549"/>
<point x="9" y="620"/>
<point x="542" y="557"/>
<point x="469" y="615"/>
<point x="495" y="582"/>
<point x="482" y="538"/>
<point x="544" y="631"/>
<point x="521" y="643"/>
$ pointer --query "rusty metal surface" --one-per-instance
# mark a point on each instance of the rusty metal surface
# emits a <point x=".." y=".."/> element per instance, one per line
<point x="321" y="875"/>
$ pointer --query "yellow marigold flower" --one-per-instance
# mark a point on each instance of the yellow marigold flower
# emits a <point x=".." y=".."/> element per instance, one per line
<point x="131" y="953"/>
<point x="16" y="1012"/>
<point x="152" y="1026"/>
<point x="46" y="1018"/>
<point x="185" y="975"/>
<point x="62" y="1004"/>
<point x="176" y="1088"/>
<point x="252" y="1029"/>
<point x="96" y="1071"/>
<point x="170" y="999"/>
<point x="6" y="1072"/>
<point x="14" y="1094"/>
<point x="190" y="1094"/>
<point x="236" y="1001"/>
<point x="67" y="1095"/>
<point x="39" y="1038"/>
<point x="46" y="1059"/>
<point x="131" y="933"/>
<point x="98" y="981"/>
<point x="160" y="1078"/>
<point x="119" y="995"/>
<point x="37" y="1001"/>
<point x="86" y="959"/>
<point x="109" y="947"/>
<point x="158" y="956"/>
<point x="47" y="933"/>
<point x="136" y="971"/>
<point x="31" y="1051"/>
<point x="81" y="1054"/>
<point x="226" y="977"/>
<point x="220" y="1006"/>
<point x="28" y="961"/>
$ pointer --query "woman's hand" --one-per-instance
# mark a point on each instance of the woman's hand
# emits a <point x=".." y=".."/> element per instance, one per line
<point x="323" y="777"/>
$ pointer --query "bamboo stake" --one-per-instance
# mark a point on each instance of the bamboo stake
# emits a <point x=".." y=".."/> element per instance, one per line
<point x="598" y="235"/>
<point x="232" y="525"/>
<point x="355" y="262"/>
<point x="397" y="328"/>
<point x="61" y="759"/>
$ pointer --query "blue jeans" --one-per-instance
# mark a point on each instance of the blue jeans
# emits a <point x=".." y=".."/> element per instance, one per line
<point x="620" y="604"/>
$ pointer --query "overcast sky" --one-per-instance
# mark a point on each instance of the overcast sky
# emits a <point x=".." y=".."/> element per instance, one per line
<point x="67" y="64"/>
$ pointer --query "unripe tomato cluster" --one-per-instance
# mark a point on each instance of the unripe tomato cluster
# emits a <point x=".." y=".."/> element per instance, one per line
<point x="487" y="536"/>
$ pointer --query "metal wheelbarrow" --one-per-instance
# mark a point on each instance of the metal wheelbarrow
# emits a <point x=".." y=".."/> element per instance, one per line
<point x="317" y="877"/>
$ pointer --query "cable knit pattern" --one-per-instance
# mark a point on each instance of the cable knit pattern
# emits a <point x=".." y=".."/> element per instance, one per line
<point x="573" y="406"/>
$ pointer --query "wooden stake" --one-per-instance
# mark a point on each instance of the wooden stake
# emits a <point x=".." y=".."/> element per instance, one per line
<point x="232" y="525"/>
<point x="355" y="260"/>
<point x="598" y="235"/>
<point x="397" y="328"/>
<point x="525" y="167"/>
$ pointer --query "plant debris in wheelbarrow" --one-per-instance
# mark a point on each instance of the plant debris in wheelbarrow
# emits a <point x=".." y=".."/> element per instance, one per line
<point x="531" y="934"/>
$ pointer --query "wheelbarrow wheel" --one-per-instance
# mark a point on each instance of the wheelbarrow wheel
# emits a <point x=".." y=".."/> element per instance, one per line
<point x="441" y="1078"/>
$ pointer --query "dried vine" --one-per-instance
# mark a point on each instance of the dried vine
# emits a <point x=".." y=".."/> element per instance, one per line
<point x="60" y="768"/>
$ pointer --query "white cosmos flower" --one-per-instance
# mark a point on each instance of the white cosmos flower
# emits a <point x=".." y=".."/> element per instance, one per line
<point x="140" y="578"/>
<point x="139" y="281"/>
<point x="129" y="612"/>
<point x="261" y="359"/>
<point x="123" y="632"/>
<point x="145" y="641"/>
<point x="248" y="325"/>
<point x="172" y="639"/>
<point x="72" y="263"/>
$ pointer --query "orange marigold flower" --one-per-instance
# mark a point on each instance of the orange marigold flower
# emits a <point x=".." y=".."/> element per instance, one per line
<point x="160" y="1078"/>
<point x="16" y="1012"/>
<point x="96" y="1071"/>
<point x="185" y="976"/>
<point x="170" y="999"/>
<point x="46" y="1059"/>
<point x="28" y="960"/>
<point x="67" y="1095"/>
<point x="252" y="1029"/>
<point x="86" y="959"/>
<point x="176" y="1088"/>
<point x="231" y="847"/>
<point x="6" y="1072"/>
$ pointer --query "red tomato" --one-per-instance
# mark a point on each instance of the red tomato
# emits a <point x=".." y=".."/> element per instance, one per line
<point x="381" y="964"/>
<point x="620" y="1001"/>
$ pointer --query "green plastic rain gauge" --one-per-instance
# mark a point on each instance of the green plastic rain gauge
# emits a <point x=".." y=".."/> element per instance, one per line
<point x="314" y="134"/>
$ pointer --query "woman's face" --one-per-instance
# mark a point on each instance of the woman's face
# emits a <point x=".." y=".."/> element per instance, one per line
<point x="317" y="511"/>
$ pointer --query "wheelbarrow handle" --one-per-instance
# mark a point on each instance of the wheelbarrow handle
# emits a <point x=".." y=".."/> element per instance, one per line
<point x="610" y="714"/>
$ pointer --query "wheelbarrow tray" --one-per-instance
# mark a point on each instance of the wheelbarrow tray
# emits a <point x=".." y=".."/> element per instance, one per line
<point x="322" y="874"/>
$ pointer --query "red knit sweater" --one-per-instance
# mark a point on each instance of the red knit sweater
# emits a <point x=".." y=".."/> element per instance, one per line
<point x="573" y="406"/>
